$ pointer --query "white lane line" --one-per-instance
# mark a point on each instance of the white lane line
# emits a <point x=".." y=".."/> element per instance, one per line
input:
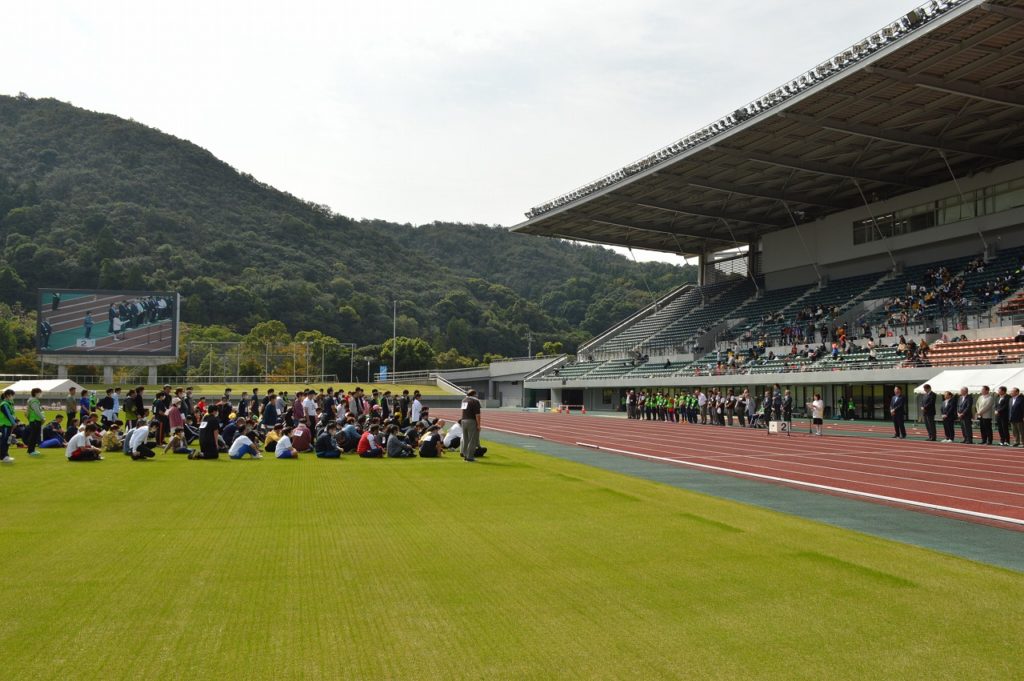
<point x="828" y="488"/>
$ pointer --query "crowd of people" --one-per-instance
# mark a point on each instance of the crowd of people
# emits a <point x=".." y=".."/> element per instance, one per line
<point x="1002" y="409"/>
<point x="719" y="408"/>
<point x="325" y="422"/>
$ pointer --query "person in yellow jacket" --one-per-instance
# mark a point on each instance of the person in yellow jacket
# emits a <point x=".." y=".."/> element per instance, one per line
<point x="34" y="410"/>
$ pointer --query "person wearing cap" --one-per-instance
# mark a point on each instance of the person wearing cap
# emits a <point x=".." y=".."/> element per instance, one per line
<point x="175" y="418"/>
<point x="471" y="425"/>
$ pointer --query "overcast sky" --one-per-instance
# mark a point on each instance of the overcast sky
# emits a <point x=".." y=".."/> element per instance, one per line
<point x="421" y="111"/>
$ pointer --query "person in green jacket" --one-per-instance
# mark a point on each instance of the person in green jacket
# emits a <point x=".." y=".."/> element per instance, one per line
<point x="7" y="421"/>
<point x="34" y="409"/>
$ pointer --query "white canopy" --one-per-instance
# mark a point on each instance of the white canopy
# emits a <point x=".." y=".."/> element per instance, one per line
<point x="973" y="379"/>
<point x="50" y="387"/>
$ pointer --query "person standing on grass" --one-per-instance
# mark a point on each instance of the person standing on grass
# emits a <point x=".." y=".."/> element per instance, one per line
<point x="71" y="405"/>
<point x="84" y="406"/>
<point x="928" y="411"/>
<point x="897" y="409"/>
<point x="471" y="426"/>
<point x="964" y="407"/>
<point x="1016" y="416"/>
<point x="34" y="412"/>
<point x="209" y="429"/>
<point x="7" y="423"/>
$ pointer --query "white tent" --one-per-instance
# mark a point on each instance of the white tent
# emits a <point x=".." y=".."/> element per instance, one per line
<point x="954" y="379"/>
<point x="56" y="387"/>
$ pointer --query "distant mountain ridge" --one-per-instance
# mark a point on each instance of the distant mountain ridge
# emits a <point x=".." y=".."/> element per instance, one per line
<point x="90" y="200"/>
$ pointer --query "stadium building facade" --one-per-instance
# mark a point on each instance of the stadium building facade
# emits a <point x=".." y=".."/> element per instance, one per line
<point x="892" y="170"/>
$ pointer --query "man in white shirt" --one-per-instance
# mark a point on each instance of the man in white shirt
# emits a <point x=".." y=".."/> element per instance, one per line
<point x="985" y="406"/>
<point x="702" y="404"/>
<point x="79" y="447"/>
<point x="309" y="408"/>
<point x="417" y="408"/>
<point x="242" y="445"/>
<point x="139" y="447"/>
<point x="453" y="438"/>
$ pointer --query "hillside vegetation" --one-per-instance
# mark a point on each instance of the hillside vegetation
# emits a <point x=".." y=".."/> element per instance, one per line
<point x="91" y="200"/>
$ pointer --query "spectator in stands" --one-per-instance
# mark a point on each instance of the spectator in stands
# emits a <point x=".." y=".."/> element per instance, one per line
<point x="949" y="404"/>
<point x="1020" y="335"/>
<point x="964" y="407"/>
<point x="984" y="406"/>
<point x="1002" y="415"/>
<point x="1016" y="416"/>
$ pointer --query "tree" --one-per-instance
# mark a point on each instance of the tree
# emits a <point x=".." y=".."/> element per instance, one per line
<point x="553" y="348"/>
<point x="413" y="354"/>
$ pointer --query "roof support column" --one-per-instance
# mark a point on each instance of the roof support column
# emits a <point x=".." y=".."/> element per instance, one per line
<point x="874" y="222"/>
<point x="814" y="264"/>
<point x="984" y="244"/>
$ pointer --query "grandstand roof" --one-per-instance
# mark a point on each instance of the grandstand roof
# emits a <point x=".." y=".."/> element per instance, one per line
<point x="939" y="90"/>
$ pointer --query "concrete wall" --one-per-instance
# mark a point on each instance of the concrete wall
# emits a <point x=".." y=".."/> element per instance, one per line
<point x="829" y="242"/>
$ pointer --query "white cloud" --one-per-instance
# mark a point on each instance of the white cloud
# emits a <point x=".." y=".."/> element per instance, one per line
<point x="415" y="111"/>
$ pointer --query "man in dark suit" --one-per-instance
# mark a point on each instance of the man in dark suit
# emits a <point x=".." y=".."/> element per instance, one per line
<point x="964" y="406"/>
<point x="1016" y="412"/>
<point x="1002" y="414"/>
<point x="948" y="417"/>
<point x="928" y="411"/>
<point x="898" y="408"/>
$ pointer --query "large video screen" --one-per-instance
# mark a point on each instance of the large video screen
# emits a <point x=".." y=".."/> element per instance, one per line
<point x="74" y="322"/>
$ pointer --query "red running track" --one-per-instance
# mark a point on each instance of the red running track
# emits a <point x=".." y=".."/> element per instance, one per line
<point x="973" y="482"/>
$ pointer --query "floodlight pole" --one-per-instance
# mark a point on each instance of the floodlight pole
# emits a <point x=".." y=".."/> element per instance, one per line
<point x="394" y="340"/>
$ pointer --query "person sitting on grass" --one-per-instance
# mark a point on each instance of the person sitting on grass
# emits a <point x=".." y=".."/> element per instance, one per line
<point x="284" y="448"/>
<point x="302" y="437"/>
<point x="350" y="435"/>
<point x="111" y="438"/>
<point x="397" y="447"/>
<point x="326" y="447"/>
<point x="178" y="444"/>
<point x="138" y="445"/>
<point x="242" y="445"/>
<point x="453" y="438"/>
<point x="209" y="435"/>
<point x="79" y="447"/>
<point x="53" y="434"/>
<point x="368" y="447"/>
<point x="272" y="438"/>
<point x="431" y="444"/>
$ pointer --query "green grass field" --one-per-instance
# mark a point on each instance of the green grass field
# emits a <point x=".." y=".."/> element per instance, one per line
<point x="522" y="566"/>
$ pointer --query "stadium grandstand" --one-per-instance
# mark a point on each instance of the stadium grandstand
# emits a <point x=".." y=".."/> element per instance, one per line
<point x="858" y="228"/>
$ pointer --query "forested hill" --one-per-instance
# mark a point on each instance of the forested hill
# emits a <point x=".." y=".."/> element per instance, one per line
<point x="91" y="200"/>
